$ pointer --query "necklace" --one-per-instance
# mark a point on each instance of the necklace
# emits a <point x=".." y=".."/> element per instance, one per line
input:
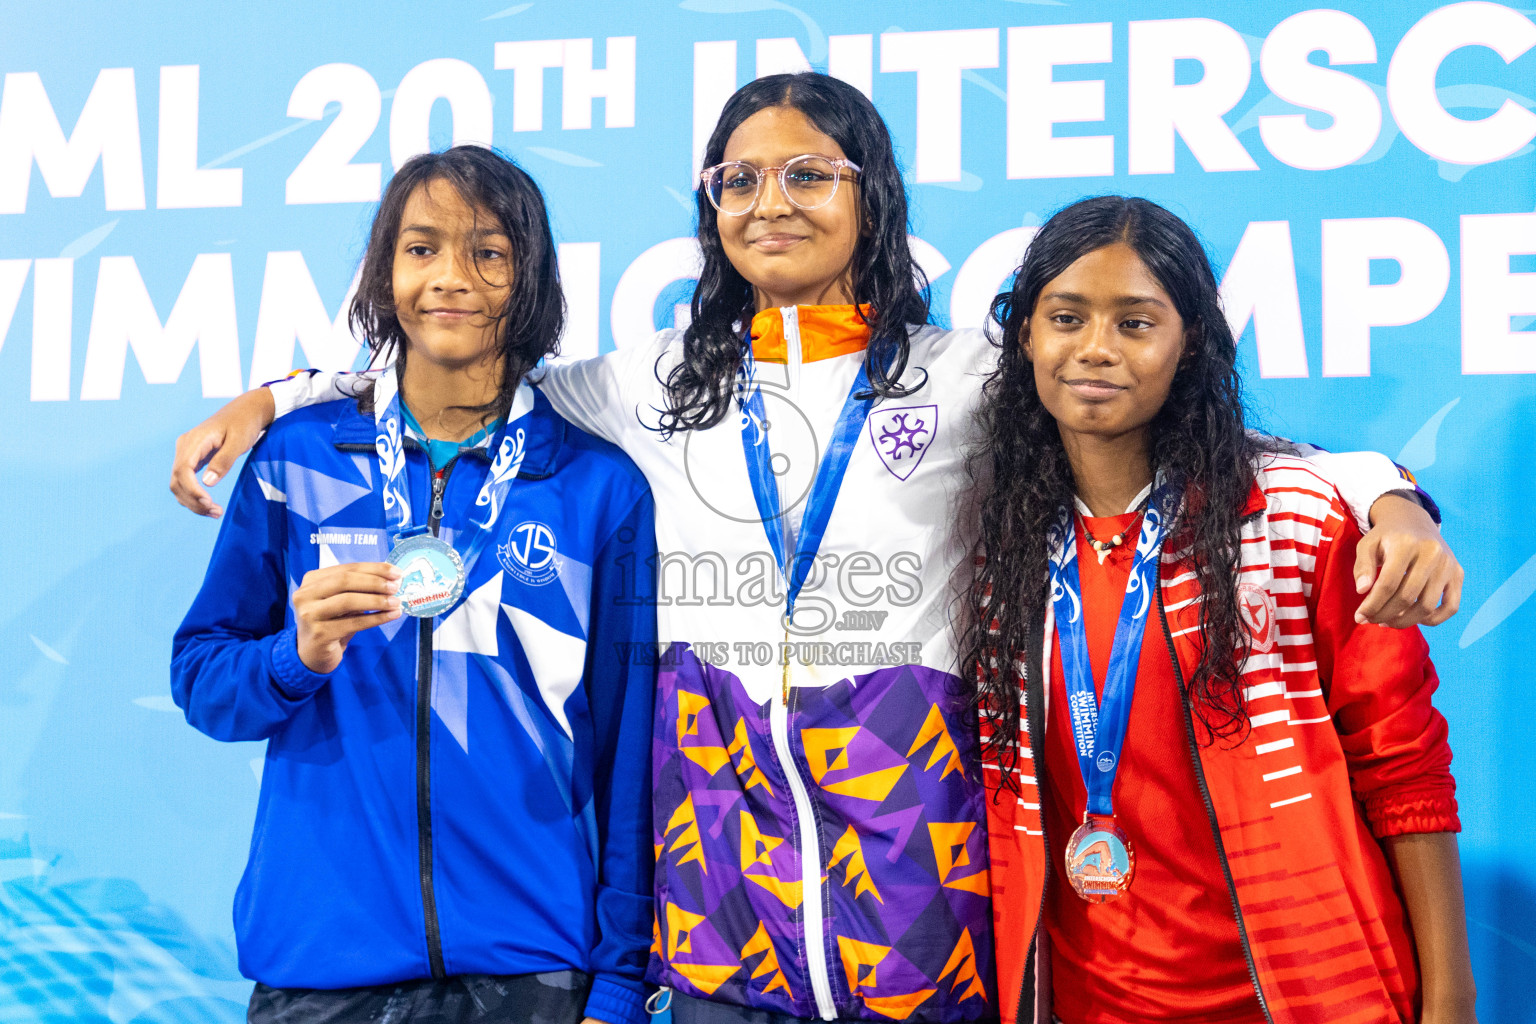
<point x="1102" y="548"/>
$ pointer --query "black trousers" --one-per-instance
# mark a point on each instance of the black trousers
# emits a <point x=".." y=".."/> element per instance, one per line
<point x="687" y="1010"/>
<point x="557" y="997"/>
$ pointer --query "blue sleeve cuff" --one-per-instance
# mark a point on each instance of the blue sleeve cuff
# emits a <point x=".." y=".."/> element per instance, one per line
<point x="293" y="678"/>
<point x="616" y="1000"/>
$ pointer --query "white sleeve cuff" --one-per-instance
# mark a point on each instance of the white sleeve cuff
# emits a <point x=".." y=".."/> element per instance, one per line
<point x="310" y="388"/>
<point x="1361" y="478"/>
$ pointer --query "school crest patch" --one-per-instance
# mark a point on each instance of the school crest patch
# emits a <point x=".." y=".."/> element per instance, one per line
<point x="902" y="436"/>
<point x="530" y="554"/>
<point x="1257" y="608"/>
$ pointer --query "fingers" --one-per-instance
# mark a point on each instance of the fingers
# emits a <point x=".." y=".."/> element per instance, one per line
<point x="239" y="425"/>
<point x="334" y="604"/>
<point x="1412" y="603"/>
<point x="354" y="578"/>
<point x="1367" y="561"/>
<point x="1418" y="584"/>
<point x="1435" y="589"/>
<point x="218" y="441"/>
<point x="345" y="614"/>
<point x="1384" y="602"/>
<point x="1450" y="601"/>
<point x="220" y="464"/>
<point x="1370" y="579"/>
<point x="192" y="450"/>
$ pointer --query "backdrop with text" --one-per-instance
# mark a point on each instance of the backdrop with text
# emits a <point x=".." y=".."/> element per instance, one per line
<point x="184" y="197"/>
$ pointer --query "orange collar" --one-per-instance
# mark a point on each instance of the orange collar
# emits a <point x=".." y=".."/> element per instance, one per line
<point x="825" y="331"/>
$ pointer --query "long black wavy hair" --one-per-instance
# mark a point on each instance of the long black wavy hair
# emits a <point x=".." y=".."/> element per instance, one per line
<point x="1198" y="436"/>
<point x="885" y="276"/>
<point x="528" y="327"/>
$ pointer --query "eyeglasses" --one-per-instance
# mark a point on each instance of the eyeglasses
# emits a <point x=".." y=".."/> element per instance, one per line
<point x="808" y="182"/>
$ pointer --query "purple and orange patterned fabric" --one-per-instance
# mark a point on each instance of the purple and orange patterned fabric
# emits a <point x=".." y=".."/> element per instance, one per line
<point x="904" y="896"/>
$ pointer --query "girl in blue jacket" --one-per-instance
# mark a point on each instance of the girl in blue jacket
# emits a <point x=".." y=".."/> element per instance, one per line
<point x="427" y="601"/>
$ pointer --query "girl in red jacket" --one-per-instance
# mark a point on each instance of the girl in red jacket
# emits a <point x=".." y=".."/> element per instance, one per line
<point x="1216" y="797"/>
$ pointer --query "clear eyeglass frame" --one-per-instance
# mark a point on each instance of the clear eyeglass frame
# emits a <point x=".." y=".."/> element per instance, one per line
<point x="708" y="175"/>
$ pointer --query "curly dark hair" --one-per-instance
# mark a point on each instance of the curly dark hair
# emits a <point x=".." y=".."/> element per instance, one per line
<point x="1198" y="436"/>
<point x="885" y="276"/>
<point x="529" y="326"/>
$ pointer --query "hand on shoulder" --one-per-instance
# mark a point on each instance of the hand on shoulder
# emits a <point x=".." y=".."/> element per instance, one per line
<point x="216" y="443"/>
<point x="1411" y="573"/>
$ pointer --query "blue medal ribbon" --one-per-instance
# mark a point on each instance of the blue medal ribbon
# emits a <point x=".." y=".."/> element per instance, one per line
<point x="1099" y="727"/>
<point x="796" y="566"/>
<point x="509" y="444"/>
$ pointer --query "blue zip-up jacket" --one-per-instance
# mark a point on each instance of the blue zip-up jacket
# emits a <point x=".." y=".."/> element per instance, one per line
<point x="463" y="795"/>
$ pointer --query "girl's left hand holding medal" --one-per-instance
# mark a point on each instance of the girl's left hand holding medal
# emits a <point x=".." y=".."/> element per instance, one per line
<point x="334" y="604"/>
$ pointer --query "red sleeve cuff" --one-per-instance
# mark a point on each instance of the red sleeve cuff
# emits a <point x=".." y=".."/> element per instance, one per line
<point x="1399" y="814"/>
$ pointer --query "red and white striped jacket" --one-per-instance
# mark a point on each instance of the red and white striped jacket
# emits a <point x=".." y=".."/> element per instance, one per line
<point x="1344" y="749"/>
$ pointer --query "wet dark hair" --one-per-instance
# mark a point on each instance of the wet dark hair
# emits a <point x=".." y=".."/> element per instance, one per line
<point x="885" y="277"/>
<point x="1198" y="436"/>
<point x="529" y="327"/>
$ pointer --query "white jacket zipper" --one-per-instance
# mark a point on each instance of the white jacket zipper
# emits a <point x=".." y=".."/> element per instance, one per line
<point x="778" y="721"/>
<point x="810" y="863"/>
<point x="794" y="355"/>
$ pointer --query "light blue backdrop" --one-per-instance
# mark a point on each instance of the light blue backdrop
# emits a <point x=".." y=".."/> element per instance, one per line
<point x="123" y="831"/>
